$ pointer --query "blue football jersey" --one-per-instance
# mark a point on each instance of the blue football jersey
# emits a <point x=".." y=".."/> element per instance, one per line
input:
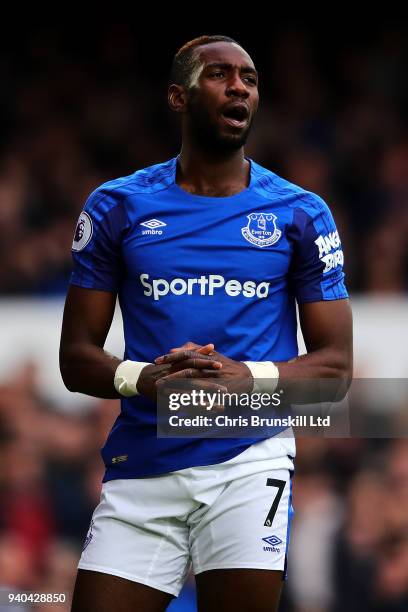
<point x="226" y="270"/>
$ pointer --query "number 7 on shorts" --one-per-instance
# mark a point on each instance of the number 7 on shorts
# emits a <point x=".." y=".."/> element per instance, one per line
<point x="280" y="485"/>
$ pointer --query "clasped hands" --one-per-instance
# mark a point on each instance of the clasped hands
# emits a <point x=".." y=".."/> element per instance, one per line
<point x="201" y="366"/>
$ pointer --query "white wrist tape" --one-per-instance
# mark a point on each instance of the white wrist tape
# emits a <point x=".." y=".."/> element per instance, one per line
<point x="265" y="375"/>
<point x="126" y="377"/>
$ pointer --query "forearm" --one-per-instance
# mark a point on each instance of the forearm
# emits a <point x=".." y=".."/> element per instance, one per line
<point x="319" y="364"/>
<point x="321" y="375"/>
<point x="89" y="369"/>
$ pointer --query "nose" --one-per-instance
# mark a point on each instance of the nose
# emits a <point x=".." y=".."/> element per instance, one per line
<point x="236" y="86"/>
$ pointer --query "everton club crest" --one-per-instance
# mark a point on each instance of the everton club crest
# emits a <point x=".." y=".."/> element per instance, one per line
<point x="261" y="229"/>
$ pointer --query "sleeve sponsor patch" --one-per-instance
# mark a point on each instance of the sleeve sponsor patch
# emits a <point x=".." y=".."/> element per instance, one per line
<point x="329" y="253"/>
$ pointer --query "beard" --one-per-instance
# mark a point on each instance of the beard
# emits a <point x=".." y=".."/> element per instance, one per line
<point x="208" y="133"/>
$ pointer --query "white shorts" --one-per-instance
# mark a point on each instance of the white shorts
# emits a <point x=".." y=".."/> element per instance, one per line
<point x="234" y="514"/>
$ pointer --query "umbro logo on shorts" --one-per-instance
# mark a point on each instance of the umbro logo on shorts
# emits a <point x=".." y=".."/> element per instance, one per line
<point x="273" y="542"/>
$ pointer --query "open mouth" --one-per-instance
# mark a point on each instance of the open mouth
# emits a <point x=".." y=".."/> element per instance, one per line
<point x="236" y="116"/>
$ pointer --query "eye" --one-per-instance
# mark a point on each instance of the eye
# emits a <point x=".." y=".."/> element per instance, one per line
<point x="250" y="79"/>
<point x="217" y="73"/>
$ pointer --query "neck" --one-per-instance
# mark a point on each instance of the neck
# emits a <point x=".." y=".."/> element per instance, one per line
<point x="214" y="175"/>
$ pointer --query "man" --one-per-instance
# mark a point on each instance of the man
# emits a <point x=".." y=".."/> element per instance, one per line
<point x="207" y="247"/>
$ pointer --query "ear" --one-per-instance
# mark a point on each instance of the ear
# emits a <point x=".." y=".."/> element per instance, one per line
<point x="177" y="98"/>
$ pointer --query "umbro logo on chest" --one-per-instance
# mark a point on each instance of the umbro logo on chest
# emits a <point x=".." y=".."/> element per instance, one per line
<point x="153" y="227"/>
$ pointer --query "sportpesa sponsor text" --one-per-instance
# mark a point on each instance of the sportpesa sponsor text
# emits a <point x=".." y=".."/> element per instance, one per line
<point x="204" y="285"/>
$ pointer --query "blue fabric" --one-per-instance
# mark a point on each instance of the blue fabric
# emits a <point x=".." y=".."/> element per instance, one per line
<point x="291" y="514"/>
<point x="188" y="267"/>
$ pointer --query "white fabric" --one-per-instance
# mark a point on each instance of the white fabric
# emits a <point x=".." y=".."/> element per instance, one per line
<point x="126" y="377"/>
<point x="265" y="375"/>
<point x="149" y="530"/>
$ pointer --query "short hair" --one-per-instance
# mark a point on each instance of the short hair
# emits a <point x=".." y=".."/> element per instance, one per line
<point x="184" y="61"/>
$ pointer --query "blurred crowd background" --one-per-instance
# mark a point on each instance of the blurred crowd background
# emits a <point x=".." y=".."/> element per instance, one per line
<point x="77" y="110"/>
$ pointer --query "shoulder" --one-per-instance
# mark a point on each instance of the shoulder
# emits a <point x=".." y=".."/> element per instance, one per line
<point x="268" y="184"/>
<point x="151" y="180"/>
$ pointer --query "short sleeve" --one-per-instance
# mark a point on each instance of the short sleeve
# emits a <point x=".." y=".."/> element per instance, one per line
<point x="316" y="271"/>
<point x="96" y="247"/>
